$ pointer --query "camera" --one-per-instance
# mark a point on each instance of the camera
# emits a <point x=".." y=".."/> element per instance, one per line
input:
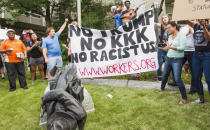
<point x="162" y="45"/>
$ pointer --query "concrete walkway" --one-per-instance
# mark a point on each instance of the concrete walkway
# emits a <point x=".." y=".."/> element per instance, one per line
<point x="131" y="83"/>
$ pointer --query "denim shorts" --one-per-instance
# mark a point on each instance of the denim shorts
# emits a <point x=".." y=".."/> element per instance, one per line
<point x="55" y="62"/>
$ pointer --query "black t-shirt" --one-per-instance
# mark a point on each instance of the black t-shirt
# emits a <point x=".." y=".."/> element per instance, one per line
<point x="163" y="35"/>
<point x="35" y="53"/>
<point x="201" y="44"/>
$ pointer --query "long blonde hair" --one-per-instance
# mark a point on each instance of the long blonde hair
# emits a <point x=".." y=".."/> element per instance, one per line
<point x="164" y="26"/>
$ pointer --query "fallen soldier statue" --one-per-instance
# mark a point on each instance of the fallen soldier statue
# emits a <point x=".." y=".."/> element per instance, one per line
<point x="62" y="103"/>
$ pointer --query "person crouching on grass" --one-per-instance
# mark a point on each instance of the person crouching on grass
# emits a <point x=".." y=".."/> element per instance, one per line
<point x="15" y="55"/>
<point x="175" y="47"/>
<point x="36" y="59"/>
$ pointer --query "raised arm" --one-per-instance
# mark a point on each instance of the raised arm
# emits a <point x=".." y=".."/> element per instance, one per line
<point x="29" y="49"/>
<point x="113" y="13"/>
<point x="63" y="26"/>
<point x="206" y="33"/>
<point x="157" y="25"/>
<point x="190" y="23"/>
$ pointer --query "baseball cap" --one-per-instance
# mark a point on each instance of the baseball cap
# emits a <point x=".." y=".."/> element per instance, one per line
<point x="127" y="1"/>
<point x="10" y="30"/>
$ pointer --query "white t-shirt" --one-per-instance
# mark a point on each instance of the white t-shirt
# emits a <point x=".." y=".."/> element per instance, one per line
<point x="189" y="43"/>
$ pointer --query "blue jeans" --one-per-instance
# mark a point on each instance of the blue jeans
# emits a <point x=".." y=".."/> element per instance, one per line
<point x="174" y="64"/>
<point x="200" y="64"/>
<point x="161" y="57"/>
<point x="55" y="62"/>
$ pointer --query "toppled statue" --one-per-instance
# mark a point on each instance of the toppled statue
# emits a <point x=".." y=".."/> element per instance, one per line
<point x="62" y="104"/>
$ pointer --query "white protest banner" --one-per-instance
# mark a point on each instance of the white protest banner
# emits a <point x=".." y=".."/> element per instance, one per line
<point x="191" y="9"/>
<point x="126" y="50"/>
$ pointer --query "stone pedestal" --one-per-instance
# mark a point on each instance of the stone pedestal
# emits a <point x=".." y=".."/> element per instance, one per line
<point x="88" y="102"/>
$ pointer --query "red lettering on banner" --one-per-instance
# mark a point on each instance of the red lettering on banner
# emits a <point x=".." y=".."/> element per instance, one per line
<point x="83" y="73"/>
<point x="134" y="62"/>
<point x="130" y="66"/>
<point x="143" y="61"/>
<point x="95" y="71"/>
<point x="153" y="63"/>
<point x="120" y="67"/>
<point x="105" y="71"/>
<point x="110" y="69"/>
<point x="123" y="68"/>
<point x="115" y="69"/>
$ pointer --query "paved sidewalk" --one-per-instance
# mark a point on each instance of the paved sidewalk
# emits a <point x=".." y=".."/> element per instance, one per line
<point x="131" y="83"/>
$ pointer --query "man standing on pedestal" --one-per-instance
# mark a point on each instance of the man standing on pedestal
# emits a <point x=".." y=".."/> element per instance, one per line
<point x="51" y="48"/>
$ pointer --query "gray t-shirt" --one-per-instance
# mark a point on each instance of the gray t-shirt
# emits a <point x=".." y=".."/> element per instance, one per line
<point x="189" y="43"/>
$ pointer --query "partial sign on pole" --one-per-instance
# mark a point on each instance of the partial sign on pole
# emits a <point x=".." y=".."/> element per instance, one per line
<point x="191" y="9"/>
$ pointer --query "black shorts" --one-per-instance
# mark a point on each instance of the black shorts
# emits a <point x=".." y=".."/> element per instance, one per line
<point x="1" y="62"/>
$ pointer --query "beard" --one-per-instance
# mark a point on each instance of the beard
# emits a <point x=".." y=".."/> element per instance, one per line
<point x="11" y="38"/>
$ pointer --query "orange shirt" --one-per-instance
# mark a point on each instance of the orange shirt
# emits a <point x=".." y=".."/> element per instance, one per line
<point x="17" y="46"/>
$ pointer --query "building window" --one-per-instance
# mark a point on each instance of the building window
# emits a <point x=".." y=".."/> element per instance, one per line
<point x="35" y="15"/>
<point x="169" y="7"/>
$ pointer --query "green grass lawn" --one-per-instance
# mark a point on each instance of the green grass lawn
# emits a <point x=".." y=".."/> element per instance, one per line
<point x="129" y="109"/>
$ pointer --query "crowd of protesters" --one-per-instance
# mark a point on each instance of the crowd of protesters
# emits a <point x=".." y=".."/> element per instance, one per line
<point x="176" y="48"/>
<point x="43" y="53"/>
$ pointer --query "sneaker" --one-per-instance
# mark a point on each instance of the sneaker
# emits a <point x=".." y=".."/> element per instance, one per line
<point x="159" y="91"/>
<point x="192" y="92"/>
<point x="183" y="101"/>
<point x="159" y="78"/>
<point x="198" y="101"/>
<point x="12" y="90"/>
<point x="172" y="84"/>
<point x="25" y="88"/>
